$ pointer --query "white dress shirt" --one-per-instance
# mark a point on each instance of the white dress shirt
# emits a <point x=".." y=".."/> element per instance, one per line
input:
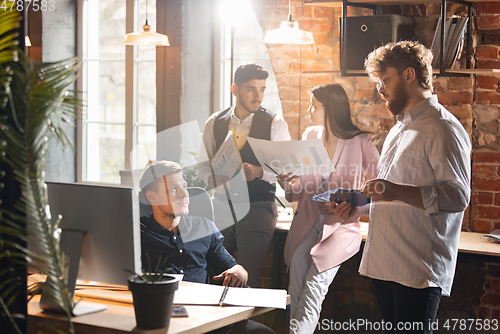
<point x="241" y="129"/>
<point x="428" y="148"/>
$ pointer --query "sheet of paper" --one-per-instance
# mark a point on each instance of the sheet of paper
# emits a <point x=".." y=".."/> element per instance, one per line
<point x="207" y="294"/>
<point x="227" y="159"/>
<point x="301" y="157"/>
<point x="256" y="297"/>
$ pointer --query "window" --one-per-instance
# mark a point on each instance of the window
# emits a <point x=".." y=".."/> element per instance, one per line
<point x="238" y="17"/>
<point x="119" y="89"/>
<point x="248" y="47"/>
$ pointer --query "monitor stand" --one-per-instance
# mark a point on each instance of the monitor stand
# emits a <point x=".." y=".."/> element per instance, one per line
<point x="71" y="245"/>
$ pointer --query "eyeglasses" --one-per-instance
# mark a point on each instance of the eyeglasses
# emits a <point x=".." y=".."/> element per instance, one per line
<point x="381" y="83"/>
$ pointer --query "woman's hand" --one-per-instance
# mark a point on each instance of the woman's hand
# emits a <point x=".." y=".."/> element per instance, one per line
<point x="342" y="210"/>
<point x="286" y="181"/>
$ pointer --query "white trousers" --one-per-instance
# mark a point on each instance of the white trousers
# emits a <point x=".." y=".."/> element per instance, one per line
<point x="307" y="287"/>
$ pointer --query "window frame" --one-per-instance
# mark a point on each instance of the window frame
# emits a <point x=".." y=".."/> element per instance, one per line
<point x="131" y="124"/>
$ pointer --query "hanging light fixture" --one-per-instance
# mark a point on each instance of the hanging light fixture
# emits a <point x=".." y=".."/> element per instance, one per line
<point x="289" y="32"/>
<point x="146" y="37"/>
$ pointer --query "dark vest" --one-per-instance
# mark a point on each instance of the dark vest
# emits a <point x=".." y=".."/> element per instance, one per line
<point x="258" y="190"/>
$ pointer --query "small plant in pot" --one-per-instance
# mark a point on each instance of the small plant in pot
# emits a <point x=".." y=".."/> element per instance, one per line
<point x="153" y="295"/>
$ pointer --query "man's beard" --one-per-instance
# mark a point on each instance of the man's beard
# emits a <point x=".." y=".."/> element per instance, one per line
<point x="398" y="102"/>
<point x="244" y="105"/>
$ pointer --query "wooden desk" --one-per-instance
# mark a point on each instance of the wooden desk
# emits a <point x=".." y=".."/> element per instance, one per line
<point x="120" y="318"/>
<point x="471" y="242"/>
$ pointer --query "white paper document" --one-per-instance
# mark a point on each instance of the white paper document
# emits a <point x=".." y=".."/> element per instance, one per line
<point x="301" y="157"/>
<point x="227" y="160"/>
<point x="207" y="294"/>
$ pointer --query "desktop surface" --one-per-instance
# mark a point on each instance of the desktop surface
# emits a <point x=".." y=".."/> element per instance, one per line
<point x="120" y="317"/>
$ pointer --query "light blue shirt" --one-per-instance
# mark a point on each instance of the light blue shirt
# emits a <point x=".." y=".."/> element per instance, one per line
<point x="428" y="148"/>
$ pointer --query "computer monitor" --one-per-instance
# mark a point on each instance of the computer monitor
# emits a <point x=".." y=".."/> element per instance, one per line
<point x="109" y="218"/>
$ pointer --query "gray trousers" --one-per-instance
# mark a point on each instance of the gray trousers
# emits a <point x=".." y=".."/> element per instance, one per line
<point x="251" y="236"/>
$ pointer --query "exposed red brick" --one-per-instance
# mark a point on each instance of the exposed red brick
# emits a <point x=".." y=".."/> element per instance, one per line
<point x="492" y="269"/>
<point x="290" y="108"/>
<point x="320" y="38"/>
<point x="344" y="297"/>
<point x="487" y="64"/>
<point x="284" y="51"/>
<point x="495" y="285"/>
<point x="487" y="52"/>
<point x="492" y="37"/>
<point x="496" y="226"/>
<point x="497" y="200"/>
<point x="490" y="299"/>
<point x="487" y="284"/>
<point x="363" y="94"/>
<point x="483" y="312"/>
<point x="488" y="7"/>
<point x="495" y="314"/>
<point x="486" y="82"/>
<point x="479" y="225"/>
<point x="322" y="64"/>
<point x="488" y="212"/>
<point x="451" y="98"/>
<point x="362" y="284"/>
<point x="461" y="111"/>
<point x="488" y="22"/>
<point x="483" y="170"/>
<point x="486" y="184"/>
<point x="290" y="80"/>
<point x="289" y="93"/>
<point x="317" y="25"/>
<point x="486" y="156"/>
<point x="344" y="282"/>
<point x="484" y="198"/>
<point x="321" y="12"/>
<point x="311" y="80"/>
<point x="322" y="51"/>
<point x="487" y="97"/>
<point x="458" y="83"/>
<point x="285" y="65"/>
<point x="362" y="298"/>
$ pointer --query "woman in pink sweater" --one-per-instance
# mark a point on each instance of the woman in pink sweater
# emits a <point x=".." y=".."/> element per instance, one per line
<point x="319" y="240"/>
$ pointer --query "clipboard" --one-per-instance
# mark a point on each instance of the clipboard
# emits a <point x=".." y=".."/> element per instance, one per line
<point x="227" y="160"/>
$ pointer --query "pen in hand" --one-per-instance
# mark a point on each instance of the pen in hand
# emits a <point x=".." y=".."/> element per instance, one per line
<point x="272" y="170"/>
<point x="224" y="293"/>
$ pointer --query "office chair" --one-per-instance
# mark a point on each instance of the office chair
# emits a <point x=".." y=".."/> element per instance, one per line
<point x="200" y="204"/>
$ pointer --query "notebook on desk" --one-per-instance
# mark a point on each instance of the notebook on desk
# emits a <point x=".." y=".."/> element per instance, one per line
<point x="201" y="294"/>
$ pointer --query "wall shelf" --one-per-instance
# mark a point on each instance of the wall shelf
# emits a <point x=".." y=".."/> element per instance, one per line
<point x="461" y="72"/>
<point x="371" y="4"/>
<point x="338" y="3"/>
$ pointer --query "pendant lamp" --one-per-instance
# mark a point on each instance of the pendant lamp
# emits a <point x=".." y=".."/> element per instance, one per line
<point x="289" y="32"/>
<point x="146" y="37"/>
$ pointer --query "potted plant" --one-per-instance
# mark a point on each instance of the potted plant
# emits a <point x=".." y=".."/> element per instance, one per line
<point x="153" y="295"/>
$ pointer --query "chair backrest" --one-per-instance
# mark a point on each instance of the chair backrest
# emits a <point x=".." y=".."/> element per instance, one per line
<point x="200" y="204"/>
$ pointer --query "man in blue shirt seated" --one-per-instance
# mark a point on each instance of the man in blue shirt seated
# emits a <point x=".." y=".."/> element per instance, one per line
<point x="189" y="243"/>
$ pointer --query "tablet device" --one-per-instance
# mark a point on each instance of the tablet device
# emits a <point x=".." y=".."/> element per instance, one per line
<point x="355" y="197"/>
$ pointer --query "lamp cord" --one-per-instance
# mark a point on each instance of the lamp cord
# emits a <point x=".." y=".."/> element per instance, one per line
<point x="289" y="10"/>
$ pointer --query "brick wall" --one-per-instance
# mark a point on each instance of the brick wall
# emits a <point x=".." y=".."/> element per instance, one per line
<point x="473" y="100"/>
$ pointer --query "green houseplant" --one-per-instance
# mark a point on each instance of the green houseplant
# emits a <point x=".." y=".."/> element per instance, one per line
<point x="34" y="104"/>
<point x="153" y="295"/>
